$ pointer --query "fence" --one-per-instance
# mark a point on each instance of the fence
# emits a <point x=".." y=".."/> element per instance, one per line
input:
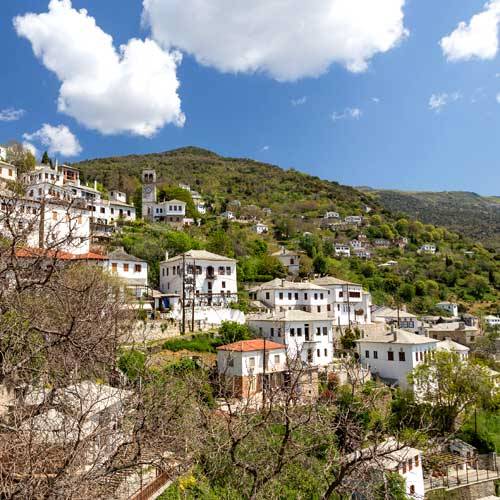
<point x="150" y="489"/>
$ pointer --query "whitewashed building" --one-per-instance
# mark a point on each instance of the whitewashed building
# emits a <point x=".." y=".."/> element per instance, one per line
<point x="342" y="250"/>
<point x="8" y="172"/>
<point x="306" y="335"/>
<point x="393" y="355"/>
<point x="289" y="259"/>
<point x="429" y="248"/>
<point x="449" y="307"/>
<point x="348" y="302"/>
<point x="260" y="228"/>
<point x="354" y="219"/>
<point x="402" y="319"/>
<point x="493" y="321"/>
<point x="282" y="295"/>
<point x="207" y="277"/>
<point x="331" y="215"/>
<point x="131" y="270"/>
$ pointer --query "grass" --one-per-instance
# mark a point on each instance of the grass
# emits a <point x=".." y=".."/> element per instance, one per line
<point x="197" y="343"/>
<point x="488" y="430"/>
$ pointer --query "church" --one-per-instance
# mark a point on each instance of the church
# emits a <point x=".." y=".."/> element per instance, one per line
<point x="172" y="211"/>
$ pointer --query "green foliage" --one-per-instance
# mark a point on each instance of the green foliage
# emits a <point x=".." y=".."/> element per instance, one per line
<point x="231" y="331"/>
<point x="198" y="343"/>
<point x="393" y="487"/>
<point x="132" y="364"/>
<point x="487" y="437"/>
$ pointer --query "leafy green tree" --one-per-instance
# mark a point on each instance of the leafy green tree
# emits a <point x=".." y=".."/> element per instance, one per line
<point x="451" y="386"/>
<point x="231" y="331"/>
<point x="220" y="242"/>
<point x="320" y="264"/>
<point x="478" y="286"/>
<point x="406" y="292"/>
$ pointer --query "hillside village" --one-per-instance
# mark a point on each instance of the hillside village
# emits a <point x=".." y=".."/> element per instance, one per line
<point x="278" y="304"/>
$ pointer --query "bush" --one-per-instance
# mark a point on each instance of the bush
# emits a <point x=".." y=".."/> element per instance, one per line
<point x="198" y="343"/>
<point x="132" y="364"/>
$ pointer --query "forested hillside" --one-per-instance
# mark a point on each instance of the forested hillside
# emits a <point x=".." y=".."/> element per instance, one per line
<point x="292" y="204"/>
<point x="468" y="213"/>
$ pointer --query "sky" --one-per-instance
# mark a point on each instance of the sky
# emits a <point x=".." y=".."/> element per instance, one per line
<point x="400" y="94"/>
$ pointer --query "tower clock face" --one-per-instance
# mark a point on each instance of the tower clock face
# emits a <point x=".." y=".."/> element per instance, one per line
<point x="148" y="189"/>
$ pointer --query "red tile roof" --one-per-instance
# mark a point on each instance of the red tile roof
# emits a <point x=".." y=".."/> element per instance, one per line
<point x="251" y="345"/>
<point x="30" y="253"/>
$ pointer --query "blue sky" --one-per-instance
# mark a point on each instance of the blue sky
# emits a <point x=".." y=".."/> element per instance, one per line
<point x="371" y="125"/>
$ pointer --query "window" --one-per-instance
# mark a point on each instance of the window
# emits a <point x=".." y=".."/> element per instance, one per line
<point x="318" y="308"/>
<point x="114" y="267"/>
<point x="412" y="489"/>
<point x="416" y="460"/>
<point x="321" y="296"/>
<point x="404" y="467"/>
<point x="289" y="296"/>
<point x="318" y="330"/>
<point x="299" y="332"/>
<point x="223" y="284"/>
<point x="125" y="268"/>
<point x="296" y="296"/>
<point x="137" y="268"/>
<point x="318" y="353"/>
<point x="267" y="296"/>
<point x="10" y="172"/>
<point x="54" y="215"/>
<point x="305" y="296"/>
<point x="251" y="362"/>
<point x="402" y="356"/>
<point x="292" y="332"/>
<point x="315" y="296"/>
<point x="375" y="354"/>
<point x="228" y="270"/>
<point x="103" y="210"/>
<point x="276" y="359"/>
<point x="272" y="332"/>
<point x="325" y="330"/>
<point x="326" y="351"/>
<point x="292" y="262"/>
<point x="230" y="362"/>
<point x="367" y="354"/>
<point x="390" y="356"/>
<point x="410" y="464"/>
<point x="281" y="295"/>
<point x="222" y="270"/>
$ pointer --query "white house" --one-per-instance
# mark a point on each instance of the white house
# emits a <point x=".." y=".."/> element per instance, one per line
<point x="241" y="366"/>
<point x="289" y="259"/>
<point x="356" y="244"/>
<point x="260" y="228"/>
<point x="8" y="172"/>
<point x="130" y="269"/>
<point x="362" y="253"/>
<point x="331" y="215"/>
<point x="348" y="302"/>
<point x="392" y="456"/>
<point x="308" y="336"/>
<point x="449" y="307"/>
<point x="207" y="277"/>
<point x="449" y="345"/>
<point x="354" y="219"/>
<point x="381" y="243"/>
<point x="342" y="250"/>
<point x="3" y="153"/>
<point x="491" y="320"/>
<point x="282" y="295"/>
<point x="389" y="316"/>
<point x="428" y="248"/>
<point x="394" y="354"/>
<point x="228" y="214"/>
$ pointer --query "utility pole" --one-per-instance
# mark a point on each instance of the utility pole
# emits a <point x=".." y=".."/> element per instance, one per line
<point x="183" y="324"/>
<point x="397" y="304"/>
<point x="264" y="377"/>
<point x="193" y="296"/>
<point x="348" y="308"/>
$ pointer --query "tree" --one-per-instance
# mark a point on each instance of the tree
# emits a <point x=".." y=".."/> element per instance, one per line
<point x="320" y="264"/>
<point x="45" y="158"/>
<point x="451" y="386"/>
<point x="231" y="331"/>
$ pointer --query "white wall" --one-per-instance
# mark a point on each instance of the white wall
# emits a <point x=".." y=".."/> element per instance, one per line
<point x="243" y="365"/>
<point x="295" y="298"/>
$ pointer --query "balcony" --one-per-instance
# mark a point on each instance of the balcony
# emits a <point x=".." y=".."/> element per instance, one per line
<point x="210" y="275"/>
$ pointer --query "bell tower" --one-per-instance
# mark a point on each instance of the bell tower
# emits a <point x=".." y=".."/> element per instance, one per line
<point x="148" y="193"/>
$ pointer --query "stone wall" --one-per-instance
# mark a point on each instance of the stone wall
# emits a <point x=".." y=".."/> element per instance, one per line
<point x="466" y="492"/>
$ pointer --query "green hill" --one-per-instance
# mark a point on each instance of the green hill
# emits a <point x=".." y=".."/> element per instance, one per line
<point x="475" y="216"/>
<point x="297" y="202"/>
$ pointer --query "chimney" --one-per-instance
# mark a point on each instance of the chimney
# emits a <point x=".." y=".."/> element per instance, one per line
<point x="394" y="333"/>
<point x="282" y="283"/>
<point x="166" y="255"/>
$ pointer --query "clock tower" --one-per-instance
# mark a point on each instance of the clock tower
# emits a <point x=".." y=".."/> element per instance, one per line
<point x="148" y="193"/>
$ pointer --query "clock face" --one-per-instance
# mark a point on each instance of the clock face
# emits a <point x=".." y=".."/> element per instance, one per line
<point x="148" y="189"/>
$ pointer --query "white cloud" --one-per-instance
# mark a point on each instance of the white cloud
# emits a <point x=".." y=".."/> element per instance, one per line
<point x="132" y="90"/>
<point x="286" y="39"/>
<point x="348" y="113"/>
<point x="478" y="38"/>
<point x="11" y="114"/>
<point x="498" y="98"/>
<point x="299" y="101"/>
<point x="376" y="100"/>
<point x="31" y="148"/>
<point x="438" y="101"/>
<point x="265" y="148"/>
<point x="57" y="140"/>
